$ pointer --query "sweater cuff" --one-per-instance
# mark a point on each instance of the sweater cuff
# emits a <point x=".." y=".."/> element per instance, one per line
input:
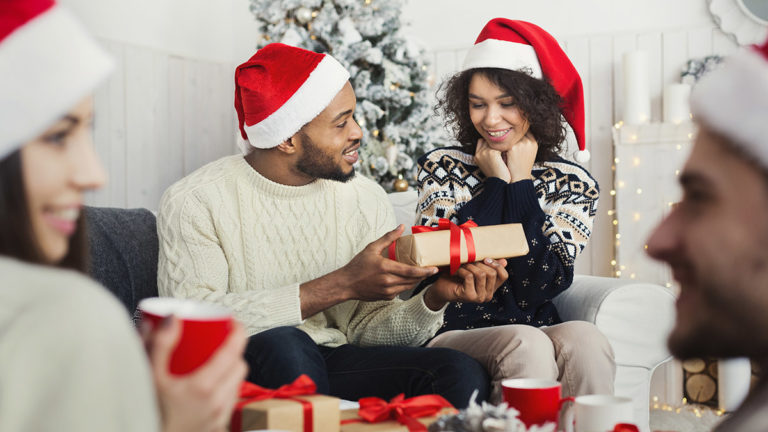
<point x="522" y="200"/>
<point x="285" y="306"/>
<point x="421" y="313"/>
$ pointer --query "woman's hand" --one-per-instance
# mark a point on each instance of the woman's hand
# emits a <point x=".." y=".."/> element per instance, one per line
<point x="472" y="283"/>
<point x="201" y="401"/>
<point x="490" y="161"/>
<point x="521" y="157"/>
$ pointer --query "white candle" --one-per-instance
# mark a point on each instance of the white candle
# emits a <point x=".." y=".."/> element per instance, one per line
<point x="733" y="379"/>
<point x="637" y="93"/>
<point x="676" y="107"/>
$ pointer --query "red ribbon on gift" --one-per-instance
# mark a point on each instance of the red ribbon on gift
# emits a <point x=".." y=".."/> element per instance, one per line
<point x="405" y="411"/>
<point x="455" y="245"/>
<point x="249" y="393"/>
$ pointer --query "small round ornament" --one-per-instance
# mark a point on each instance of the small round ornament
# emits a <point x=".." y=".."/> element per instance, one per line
<point x="401" y="184"/>
<point x="303" y="15"/>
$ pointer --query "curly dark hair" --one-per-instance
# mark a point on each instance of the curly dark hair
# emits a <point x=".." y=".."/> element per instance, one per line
<point x="536" y="98"/>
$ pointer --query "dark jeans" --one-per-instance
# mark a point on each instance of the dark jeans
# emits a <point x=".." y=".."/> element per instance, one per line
<point x="277" y="356"/>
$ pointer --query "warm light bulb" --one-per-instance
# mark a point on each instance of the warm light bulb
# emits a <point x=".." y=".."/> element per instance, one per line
<point x="613" y="262"/>
<point x="613" y="192"/>
<point x="621" y="183"/>
<point x="636" y="217"/>
<point x="639" y="191"/>
<point x="635" y="161"/>
<point x="615" y="222"/>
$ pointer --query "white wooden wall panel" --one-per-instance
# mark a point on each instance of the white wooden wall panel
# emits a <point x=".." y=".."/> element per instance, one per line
<point x="109" y="132"/>
<point x="148" y="154"/>
<point x="158" y="118"/>
<point x="599" y="112"/>
<point x="674" y="56"/>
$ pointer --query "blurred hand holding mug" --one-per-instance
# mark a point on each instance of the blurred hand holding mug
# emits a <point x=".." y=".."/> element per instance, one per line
<point x="204" y="329"/>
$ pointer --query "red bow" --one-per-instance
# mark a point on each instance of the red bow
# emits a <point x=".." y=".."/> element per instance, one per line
<point x="249" y="393"/>
<point x="455" y="240"/>
<point x="405" y="411"/>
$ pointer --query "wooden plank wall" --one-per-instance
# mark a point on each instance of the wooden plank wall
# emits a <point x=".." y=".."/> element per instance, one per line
<point x="599" y="61"/>
<point x="159" y="116"/>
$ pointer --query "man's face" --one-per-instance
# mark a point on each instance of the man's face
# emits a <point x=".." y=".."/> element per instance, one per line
<point x="328" y="144"/>
<point x="716" y="243"/>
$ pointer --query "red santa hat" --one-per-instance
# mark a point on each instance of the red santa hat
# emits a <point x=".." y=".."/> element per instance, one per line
<point x="519" y="45"/>
<point x="48" y="63"/>
<point x="733" y="101"/>
<point x="282" y="88"/>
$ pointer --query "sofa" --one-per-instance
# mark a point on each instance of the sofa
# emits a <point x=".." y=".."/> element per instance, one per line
<point x="634" y="316"/>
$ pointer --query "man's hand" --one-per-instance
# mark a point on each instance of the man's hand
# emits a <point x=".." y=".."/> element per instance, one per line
<point x="521" y="157"/>
<point x="472" y="283"/>
<point x="370" y="276"/>
<point x="490" y="161"/>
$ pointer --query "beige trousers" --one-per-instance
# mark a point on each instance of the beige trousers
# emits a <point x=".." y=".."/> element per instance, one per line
<point x="575" y="353"/>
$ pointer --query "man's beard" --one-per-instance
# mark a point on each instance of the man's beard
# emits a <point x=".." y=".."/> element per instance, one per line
<point x="316" y="163"/>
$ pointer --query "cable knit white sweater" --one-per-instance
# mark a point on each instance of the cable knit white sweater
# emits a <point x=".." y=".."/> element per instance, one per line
<point x="230" y="236"/>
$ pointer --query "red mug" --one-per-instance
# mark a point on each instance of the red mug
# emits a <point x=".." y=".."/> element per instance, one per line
<point x="204" y="327"/>
<point x="538" y="400"/>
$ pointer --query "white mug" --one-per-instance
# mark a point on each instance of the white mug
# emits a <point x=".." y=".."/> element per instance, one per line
<point x="598" y="413"/>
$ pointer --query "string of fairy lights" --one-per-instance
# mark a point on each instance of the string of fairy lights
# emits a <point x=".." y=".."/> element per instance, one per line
<point x="646" y="163"/>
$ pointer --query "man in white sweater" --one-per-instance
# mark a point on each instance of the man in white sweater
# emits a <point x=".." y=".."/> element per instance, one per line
<point x="290" y="240"/>
<point x="714" y="239"/>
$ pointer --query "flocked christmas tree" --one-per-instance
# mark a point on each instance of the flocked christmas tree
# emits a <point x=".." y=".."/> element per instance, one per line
<point x="388" y="71"/>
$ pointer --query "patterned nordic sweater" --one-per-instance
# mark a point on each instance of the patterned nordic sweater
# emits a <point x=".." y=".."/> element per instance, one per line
<point x="556" y="210"/>
<point x="230" y="236"/>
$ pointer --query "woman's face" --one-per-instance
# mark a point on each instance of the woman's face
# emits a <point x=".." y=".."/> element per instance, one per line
<point x="495" y="114"/>
<point x="58" y="167"/>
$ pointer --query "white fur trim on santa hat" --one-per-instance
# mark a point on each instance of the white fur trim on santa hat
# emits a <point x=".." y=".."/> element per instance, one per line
<point x="733" y="101"/>
<point x="495" y="53"/>
<point x="314" y="95"/>
<point x="47" y="66"/>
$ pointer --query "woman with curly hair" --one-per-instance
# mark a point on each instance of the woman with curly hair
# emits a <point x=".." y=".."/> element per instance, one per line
<point x="505" y="109"/>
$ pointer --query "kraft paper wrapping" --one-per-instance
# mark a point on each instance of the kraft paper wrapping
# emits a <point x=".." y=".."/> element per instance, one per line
<point x="433" y="248"/>
<point x="288" y="415"/>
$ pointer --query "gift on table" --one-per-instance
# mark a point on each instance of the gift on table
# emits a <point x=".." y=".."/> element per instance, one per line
<point x="452" y="245"/>
<point x="397" y="415"/>
<point x="292" y="407"/>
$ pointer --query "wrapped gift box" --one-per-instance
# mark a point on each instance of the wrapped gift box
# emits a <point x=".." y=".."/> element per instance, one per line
<point x="288" y="414"/>
<point x="386" y="426"/>
<point x="433" y="248"/>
